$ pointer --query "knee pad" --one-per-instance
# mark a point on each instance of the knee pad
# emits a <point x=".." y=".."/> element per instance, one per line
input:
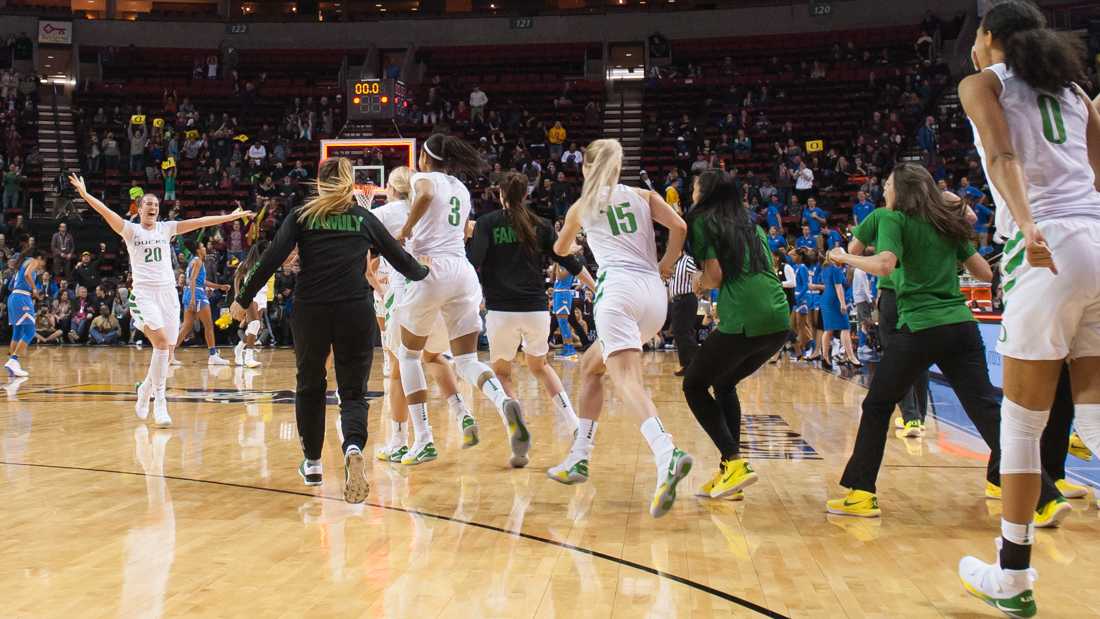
<point x="470" y="368"/>
<point x="412" y="371"/>
<point x="1087" y="421"/>
<point x="1021" y="430"/>
<point x="253" y="328"/>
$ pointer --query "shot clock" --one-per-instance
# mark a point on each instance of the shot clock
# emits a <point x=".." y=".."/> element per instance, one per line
<point x="376" y="99"/>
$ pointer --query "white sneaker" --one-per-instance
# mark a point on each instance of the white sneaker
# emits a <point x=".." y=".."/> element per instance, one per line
<point x="12" y="388"/>
<point x="1009" y="591"/>
<point x="15" y="369"/>
<point x="160" y="413"/>
<point x="141" y="407"/>
<point x="216" y="359"/>
<point x="238" y="353"/>
<point x="175" y="361"/>
<point x="250" y="359"/>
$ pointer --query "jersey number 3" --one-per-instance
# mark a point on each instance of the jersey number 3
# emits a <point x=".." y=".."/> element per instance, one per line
<point x="455" y="216"/>
<point x="1054" y="128"/>
<point x="620" y="220"/>
<point x="152" y="254"/>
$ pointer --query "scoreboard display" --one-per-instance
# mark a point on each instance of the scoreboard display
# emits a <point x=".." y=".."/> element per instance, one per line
<point x="376" y="99"/>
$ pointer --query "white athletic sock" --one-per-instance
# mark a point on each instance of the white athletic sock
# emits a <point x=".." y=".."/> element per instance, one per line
<point x="660" y="442"/>
<point x="399" y="433"/>
<point x="458" y="406"/>
<point x="418" y="415"/>
<point x="1021" y="534"/>
<point x="158" y="372"/>
<point x="565" y="408"/>
<point x="585" y="440"/>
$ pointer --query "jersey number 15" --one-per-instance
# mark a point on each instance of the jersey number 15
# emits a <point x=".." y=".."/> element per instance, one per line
<point x="620" y="220"/>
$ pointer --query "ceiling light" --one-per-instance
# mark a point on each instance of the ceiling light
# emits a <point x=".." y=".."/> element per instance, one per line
<point x="382" y="10"/>
<point x="378" y="6"/>
<point x="628" y="54"/>
<point x="50" y="57"/>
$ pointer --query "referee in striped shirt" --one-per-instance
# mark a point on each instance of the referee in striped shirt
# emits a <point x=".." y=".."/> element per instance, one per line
<point x="683" y="308"/>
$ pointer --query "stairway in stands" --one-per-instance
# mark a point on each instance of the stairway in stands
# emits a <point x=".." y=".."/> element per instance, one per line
<point x="57" y="141"/>
<point x="622" y="120"/>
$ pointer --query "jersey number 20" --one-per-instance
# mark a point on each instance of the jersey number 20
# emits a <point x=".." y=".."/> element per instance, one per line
<point x="152" y="254"/>
<point x="455" y="216"/>
<point x="621" y="221"/>
<point x="1054" y="128"/>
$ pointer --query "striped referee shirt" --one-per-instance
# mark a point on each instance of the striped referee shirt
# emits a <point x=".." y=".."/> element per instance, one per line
<point x="681" y="278"/>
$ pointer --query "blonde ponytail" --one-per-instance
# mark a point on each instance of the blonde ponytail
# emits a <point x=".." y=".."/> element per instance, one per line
<point x="603" y="162"/>
<point x="400" y="181"/>
<point x="335" y="189"/>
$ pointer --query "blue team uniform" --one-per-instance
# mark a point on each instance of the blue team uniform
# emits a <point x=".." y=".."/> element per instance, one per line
<point x="815" y="296"/>
<point x="801" y="288"/>
<point x="21" y="306"/>
<point x="200" y="288"/>
<point x="832" y="318"/>
<point x="563" y="295"/>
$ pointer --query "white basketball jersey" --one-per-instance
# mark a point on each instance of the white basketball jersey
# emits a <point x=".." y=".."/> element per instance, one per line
<point x="150" y="254"/>
<point x="393" y="216"/>
<point x="442" y="229"/>
<point x="620" y="232"/>
<point x="1048" y="132"/>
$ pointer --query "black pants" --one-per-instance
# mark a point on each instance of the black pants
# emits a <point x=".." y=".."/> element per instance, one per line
<point x="1055" y="440"/>
<point x="346" y="329"/>
<point x="682" y="312"/>
<point x="959" y="352"/>
<point x="722" y="361"/>
<point x="914" y="405"/>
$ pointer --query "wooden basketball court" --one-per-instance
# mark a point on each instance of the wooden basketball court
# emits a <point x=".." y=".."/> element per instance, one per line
<point x="106" y="516"/>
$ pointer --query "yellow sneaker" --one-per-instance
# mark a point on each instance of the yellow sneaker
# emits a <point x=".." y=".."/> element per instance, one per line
<point x="858" y="503"/>
<point x="899" y="423"/>
<point x="1052" y="514"/>
<point x="1071" y="490"/>
<point x="1078" y="449"/>
<point x="736" y="476"/>
<point x="705" y="489"/>
<point x="913" y="429"/>
<point x="992" y="491"/>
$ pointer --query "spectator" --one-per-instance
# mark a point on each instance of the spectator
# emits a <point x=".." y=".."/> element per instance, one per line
<point x="774" y="214"/>
<point x="138" y="140"/>
<point x="646" y="182"/>
<point x="814" y="217"/>
<point x="257" y="153"/>
<point x="572" y="158"/>
<point x="478" y="101"/>
<point x="862" y="208"/>
<point x="556" y="137"/>
<point x="111" y="152"/>
<point x="13" y="181"/>
<point x="926" y="136"/>
<point x="170" y="184"/>
<point x="46" y="330"/>
<point x="63" y="248"/>
<point x="86" y="273"/>
<point x="803" y="181"/>
<point x="807" y="240"/>
<point x="105" y="330"/>
<point x="81" y="314"/>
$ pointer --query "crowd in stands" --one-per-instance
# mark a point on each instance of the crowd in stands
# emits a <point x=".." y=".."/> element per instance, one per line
<point x="18" y="113"/>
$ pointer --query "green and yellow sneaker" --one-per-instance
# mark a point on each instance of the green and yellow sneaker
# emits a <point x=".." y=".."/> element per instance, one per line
<point x="420" y="455"/>
<point x="665" y="495"/>
<point x="569" y="473"/>
<point x="1010" y="593"/>
<point x="469" y="432"/>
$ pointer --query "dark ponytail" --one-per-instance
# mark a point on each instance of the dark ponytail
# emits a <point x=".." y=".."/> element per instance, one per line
<point x="249" y="264"/>
<point x="727" y="227"/>
<point x="513" y="192"/>
<point x="454" y="155"/>
<point x="1045" y="59"/>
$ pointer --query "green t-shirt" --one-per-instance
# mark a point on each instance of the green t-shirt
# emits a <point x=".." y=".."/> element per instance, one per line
<point x="170" y="183"/>
<point x="867" y="233"/>
<point x="752" y="304"/>
<point x="11" y="182"/>
<point x="928" y="282"/>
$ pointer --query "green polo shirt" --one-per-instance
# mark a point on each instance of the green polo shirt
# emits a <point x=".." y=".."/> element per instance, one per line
<point x="928" y="284"/>
<point x="867" y="233"/>
<point x="752" y="304"/>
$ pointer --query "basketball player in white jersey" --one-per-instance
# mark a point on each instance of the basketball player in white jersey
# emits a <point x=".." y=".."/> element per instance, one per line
<point x="436" y="229"/>
<point x="154" y="303"/>
<point x="630" y="306"/>
<point x="393" y="216"/>
<point x="1039" y="138"/>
